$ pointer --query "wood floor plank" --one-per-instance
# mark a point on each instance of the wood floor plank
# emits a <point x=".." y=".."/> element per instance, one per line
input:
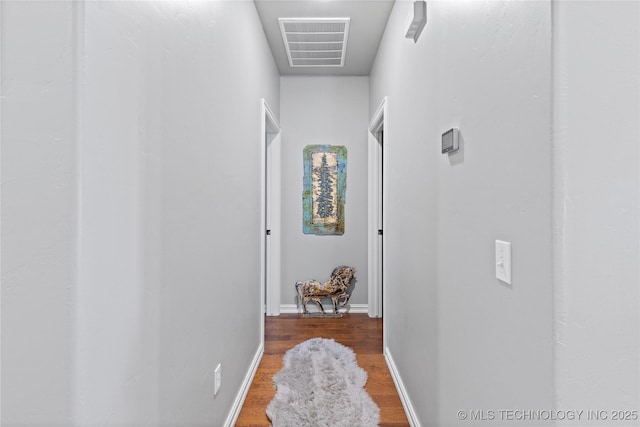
<point x="357" y="331"/>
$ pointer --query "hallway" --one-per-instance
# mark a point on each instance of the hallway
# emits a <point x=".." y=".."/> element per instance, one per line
<point x="131" y="204"/>
<point x="357" y="331"/>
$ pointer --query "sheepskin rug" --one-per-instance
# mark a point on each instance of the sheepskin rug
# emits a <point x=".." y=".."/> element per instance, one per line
<point x="321" y="385"/>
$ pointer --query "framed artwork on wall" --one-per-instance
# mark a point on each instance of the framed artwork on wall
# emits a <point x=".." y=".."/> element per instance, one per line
<point x="325" y="183"/>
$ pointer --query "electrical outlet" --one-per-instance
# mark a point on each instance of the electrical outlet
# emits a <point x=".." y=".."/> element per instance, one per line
<point x="217" y="379"/>
<point x="503" y="261"/>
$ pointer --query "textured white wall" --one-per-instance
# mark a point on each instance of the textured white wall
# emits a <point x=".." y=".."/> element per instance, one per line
<point x="163" y="191"/>
<point x="38" y="211"/>
<point x="333" y="111"/>
<point x="596" y="212"/>
<point x="117" y="313"/>
<point x="461" y="339"/>
<point x="170" y="254"/>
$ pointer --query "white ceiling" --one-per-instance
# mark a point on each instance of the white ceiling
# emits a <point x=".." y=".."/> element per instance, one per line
<point x="368" y="21"/>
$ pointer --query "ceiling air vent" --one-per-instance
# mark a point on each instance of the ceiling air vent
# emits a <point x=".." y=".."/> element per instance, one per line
<point x="315" y="42"/>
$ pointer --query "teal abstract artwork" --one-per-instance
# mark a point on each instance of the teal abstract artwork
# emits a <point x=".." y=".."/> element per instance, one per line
<point x="325" y="182"/>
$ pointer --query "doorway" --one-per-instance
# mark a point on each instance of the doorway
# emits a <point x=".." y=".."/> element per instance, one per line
<point x="377" y="146"/>
<point x="270" y="143"/>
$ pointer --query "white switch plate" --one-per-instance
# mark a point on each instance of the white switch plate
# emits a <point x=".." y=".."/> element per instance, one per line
<point x="503" y="261"/>
<point x="217" y="380"/>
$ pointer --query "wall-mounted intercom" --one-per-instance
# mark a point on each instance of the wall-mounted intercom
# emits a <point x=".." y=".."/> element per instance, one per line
<point x="450" y="140"/>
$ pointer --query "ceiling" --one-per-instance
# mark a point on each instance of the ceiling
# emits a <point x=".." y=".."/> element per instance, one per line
<point x="367" y="24"/>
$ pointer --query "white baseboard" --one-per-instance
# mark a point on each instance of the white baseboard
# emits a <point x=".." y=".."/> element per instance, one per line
<point x="402" y="392"/>
<point x="244" y="388"/>
<point x="351" y="308"/>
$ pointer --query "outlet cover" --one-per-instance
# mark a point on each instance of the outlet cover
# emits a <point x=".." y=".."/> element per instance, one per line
<point x="503" y="261"/>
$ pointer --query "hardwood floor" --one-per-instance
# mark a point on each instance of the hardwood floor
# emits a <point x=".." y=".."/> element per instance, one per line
<point x="357" y="331"/>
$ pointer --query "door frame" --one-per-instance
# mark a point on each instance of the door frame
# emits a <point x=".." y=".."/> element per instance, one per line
<point x="1" y="97"/>
<point x="269" y="291"/>
<point x="376" y="289"/>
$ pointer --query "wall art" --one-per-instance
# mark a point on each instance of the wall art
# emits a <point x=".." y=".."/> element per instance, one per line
<point x="325" y="183"/>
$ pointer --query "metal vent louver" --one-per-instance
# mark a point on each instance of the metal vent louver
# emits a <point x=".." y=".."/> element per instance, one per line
<point x="315" y="42"/>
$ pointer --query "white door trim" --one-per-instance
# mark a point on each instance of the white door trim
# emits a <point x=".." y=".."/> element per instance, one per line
<point x="269" y="285"/>
<point x="1" y="97"/>
<point x="374" y="246"/>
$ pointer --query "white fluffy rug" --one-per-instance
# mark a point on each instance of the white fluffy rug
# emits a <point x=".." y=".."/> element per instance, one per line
<point x="321" y="385"/>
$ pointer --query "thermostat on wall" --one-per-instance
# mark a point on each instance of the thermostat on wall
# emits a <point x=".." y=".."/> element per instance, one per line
<point x="450" y="140"/>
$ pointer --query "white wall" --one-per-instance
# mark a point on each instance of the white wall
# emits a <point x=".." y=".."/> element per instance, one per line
<point x="38" y="211"/>
<point x="596" y="213"/>
<point x="332" y="111"/>
<point x="170" y="208"/>
<point x="168" y="200"/>
<point x="117" y="315"/>
<point x="461" y="339"/>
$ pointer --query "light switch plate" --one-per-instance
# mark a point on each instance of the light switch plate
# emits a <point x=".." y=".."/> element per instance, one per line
<point x="503" y="261"/>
